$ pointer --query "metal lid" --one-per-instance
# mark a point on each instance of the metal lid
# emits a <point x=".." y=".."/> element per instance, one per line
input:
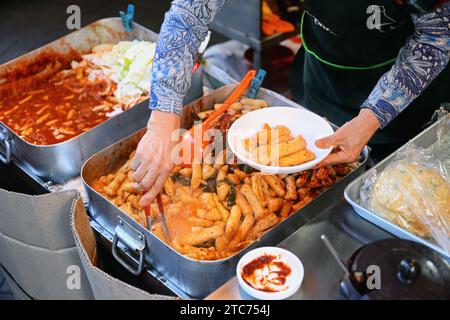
<point x="407" y="270"/>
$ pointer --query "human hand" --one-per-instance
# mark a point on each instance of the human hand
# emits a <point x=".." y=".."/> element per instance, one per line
<point x="348" y="141"/>
<point x="152" y="162"/>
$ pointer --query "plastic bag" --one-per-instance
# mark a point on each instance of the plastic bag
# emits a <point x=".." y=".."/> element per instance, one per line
<point x="414" y="190"/>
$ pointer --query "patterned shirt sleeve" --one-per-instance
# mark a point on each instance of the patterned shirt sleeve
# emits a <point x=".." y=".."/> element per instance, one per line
<point x="185" y="27"/>
<point x="425" y="55"/>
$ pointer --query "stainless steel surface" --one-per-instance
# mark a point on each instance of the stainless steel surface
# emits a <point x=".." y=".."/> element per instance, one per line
<point x="61" y="162"/>
<point x="346" y="230"/>
<point x="134" y="240"/>
<point x="242" y="20"/>
<point x="16" y="177"/>
<point x="195" y="279"/>
<point x="148" y="220"/>
<point x="163" y="218"/>
<point x="164" y="225"/>
<point x="215" y="78"/>
<point x="334" y="254"/>
<point x="352" y="192"/>
<point x="150" y="279"/>
<point x="4" y="138"/>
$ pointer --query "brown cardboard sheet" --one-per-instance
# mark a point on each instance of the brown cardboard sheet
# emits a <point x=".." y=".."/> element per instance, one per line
<point x="37" y="249"/>
<point x="104" y="286"/>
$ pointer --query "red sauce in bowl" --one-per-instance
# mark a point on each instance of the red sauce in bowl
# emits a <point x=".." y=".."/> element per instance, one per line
<point x="265" y="273"/>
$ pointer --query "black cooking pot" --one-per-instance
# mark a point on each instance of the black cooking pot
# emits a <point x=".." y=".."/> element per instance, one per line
<point x="397" y="269"/>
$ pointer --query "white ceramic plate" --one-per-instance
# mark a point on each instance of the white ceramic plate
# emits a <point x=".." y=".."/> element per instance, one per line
<point x="293" y="281"/>
<point x="311" y="126"/>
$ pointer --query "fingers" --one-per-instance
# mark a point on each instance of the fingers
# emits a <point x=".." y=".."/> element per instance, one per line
<point x="140" y="162"/>
<point x="334" y="158"/>
<point x="152" y="170"/>
<point x="139" y="157"/>
<point x="327" y="142"/>
<point x="337" y="138"/>
<point x="146" y="158"/>
<point x="338" y="157"/>
<point x="136" y="162"/>
<point x="151" y="194"/>
<point x="141" y="171"/>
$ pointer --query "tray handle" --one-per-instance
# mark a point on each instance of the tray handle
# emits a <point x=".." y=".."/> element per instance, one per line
<point x="133" y="240"/>
<point x="4" y="139"/>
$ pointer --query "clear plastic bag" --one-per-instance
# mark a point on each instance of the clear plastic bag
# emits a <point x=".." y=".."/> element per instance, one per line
<point x="414" y="190"/>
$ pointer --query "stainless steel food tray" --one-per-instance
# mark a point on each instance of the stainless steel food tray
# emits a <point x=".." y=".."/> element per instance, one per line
<point x="352" y="191"/>
<point x="184" y="276"/>
<point x="61" y="162"/>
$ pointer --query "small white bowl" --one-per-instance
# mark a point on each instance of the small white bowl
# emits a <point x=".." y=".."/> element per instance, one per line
<point x="293" y="280"/>
<point x="300" y="121"/>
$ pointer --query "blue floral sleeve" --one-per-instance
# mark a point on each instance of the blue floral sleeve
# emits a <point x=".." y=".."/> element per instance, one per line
<point x="425" y="55"/>
<point x="185" y="27"/>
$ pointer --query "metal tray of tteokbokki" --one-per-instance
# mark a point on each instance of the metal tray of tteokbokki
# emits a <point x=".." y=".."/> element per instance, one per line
<point x="215" y="211"/>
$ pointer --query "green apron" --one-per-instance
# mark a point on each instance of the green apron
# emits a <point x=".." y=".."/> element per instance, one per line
<point x="342" y="58"/>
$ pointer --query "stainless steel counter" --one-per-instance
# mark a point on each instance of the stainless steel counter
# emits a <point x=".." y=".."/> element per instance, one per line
<point x="346" y="231"/>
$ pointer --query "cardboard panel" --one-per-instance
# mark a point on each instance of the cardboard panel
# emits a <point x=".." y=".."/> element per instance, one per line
<point x="13" y="288"/>
<point x="104" y="286"/>
<point x="37" y="249"/>
<point x="41" y="221"/>
<point x="43" y="273"/>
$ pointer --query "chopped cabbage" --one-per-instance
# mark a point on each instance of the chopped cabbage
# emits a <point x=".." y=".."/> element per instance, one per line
<point x="128" y="64"/>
